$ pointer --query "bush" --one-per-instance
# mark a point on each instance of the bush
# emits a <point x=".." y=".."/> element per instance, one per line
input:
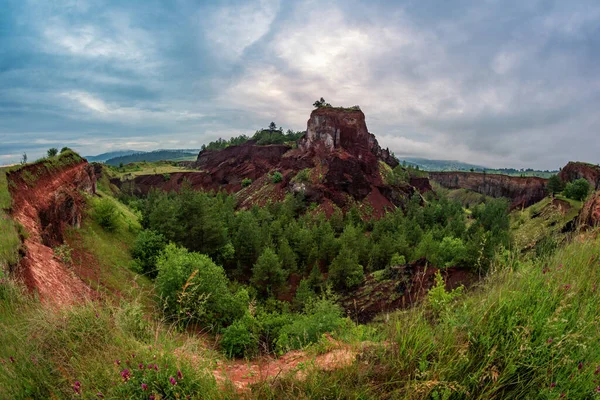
<point x="320" y="316"/>
<point x="146" y="249"/>
<point x="303" y="175"/>
<point x="345" y="272"/>
<point x="577" y="190"/>
<point x="240" y="339"/>
<point x="105" y="214"/>
<point x="276" y="177"/>
<point x="194" y="288"/>
<point x="246" y="182"/>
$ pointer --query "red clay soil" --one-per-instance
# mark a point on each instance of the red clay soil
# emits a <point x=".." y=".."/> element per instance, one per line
<point x="590" y="213"/>
<point x="243" y="373"/>
<point x="44" y="207"/>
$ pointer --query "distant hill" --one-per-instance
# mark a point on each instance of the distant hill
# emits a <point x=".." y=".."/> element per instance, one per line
<point x="452" y="165"/>
<point x="157" y="155"/>
<point x="111" y="154"/>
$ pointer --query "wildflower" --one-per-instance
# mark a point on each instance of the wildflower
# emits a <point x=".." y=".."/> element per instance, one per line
<point x="77" y="387"/>
<point x="553" y="384"/>
<point x="179" y="375"/>
<point x="150" y="366"/>
<point x="11" y="358"/>
<point x="598" y="389"/>
<point x="567" y="287"/>
<point x="117" y="362"/>
<point x="152" y="397"/>
<point x="580" y="366"/>
<point x="144" y="386"/>
<point x="597" y="371"/>
<point x="100" y="395"/>
<point x="173" y="381"/>
<point x="156" y="367"/>
<point x="549" y="340"/>
<point x="132" y="355"/>
<point x="126" y="374"/>
<point x="34" y="360"/>
<point x="141" y="366"/>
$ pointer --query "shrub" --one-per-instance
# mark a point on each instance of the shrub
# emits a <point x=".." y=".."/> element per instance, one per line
<point x="63" y="253"/>
<point x="193" y="287"/>
<point x="439" y="299"/>
<point x="578" y="189"/>
<point x="267" y="274"/>
<point x="320" y="316"/>
<point x="166" y="177"/>
<point x="105" y="214"/>
<point x="246" y="182"/>
<point x="146" y="249"/>
<point x="240" y="339"/>
<point x="303" y="175"/>
<point x="276" y="177"/>
<point x="345" y="272"/>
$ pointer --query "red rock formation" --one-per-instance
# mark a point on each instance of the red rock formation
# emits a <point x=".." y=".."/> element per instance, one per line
<point x="521" y="191"/>
<point x="337" y="146"/>
<point x="44" y="201"/>
<point x="590" y="213"/>
<point x="576" y="170"/>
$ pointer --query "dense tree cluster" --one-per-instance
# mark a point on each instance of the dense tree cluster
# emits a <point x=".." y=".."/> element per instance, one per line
<point x="252" y="253"/>
<point x="262" y="137"/>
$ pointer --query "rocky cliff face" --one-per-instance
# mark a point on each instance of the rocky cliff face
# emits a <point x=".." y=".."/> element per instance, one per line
<point x="576" y="170"/>
<point x="332" y="129"/>
<point x="45" y="201"/>
<point x="521" y="191"/>
<point x="590" y="213"/>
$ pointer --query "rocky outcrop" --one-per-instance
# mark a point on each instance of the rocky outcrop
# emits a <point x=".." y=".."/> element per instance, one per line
<point x="577" y="170"/>
<point x="342" y="156"/>
<point x="521" y="191"/>
<point x="590" y="213"/>
<point x="330" y="129"/>
<point x="46" y="198"/>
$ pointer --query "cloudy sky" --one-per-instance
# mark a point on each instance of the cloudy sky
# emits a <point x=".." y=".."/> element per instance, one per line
<point x="498" y="83"/>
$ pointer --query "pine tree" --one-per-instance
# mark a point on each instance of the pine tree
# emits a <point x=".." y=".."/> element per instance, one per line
<point x="267" y="274"/>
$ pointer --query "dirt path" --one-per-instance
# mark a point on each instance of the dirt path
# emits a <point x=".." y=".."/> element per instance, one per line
<point x="244" y="373"/>
<point x="42" y="272"/>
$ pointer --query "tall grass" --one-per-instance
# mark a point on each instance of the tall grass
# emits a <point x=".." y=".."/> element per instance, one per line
<point x="92" y="348"/>
<point x="526" y="333"/>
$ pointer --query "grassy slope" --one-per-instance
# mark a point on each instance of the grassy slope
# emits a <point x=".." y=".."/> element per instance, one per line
<point x="530" y="331"/>
<point x="9" y="238"/>
<point x="43" y="351"/>
<point x="147" y="168"/>
<point x="541" y="220"/>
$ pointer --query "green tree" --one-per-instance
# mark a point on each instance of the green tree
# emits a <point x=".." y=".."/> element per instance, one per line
<point x="345" y="272"/>
<point x="578" y="189"/>
<point x="554" y="185"/>
<point x="289" y="260"/>
<point x="267" y="274"/>
<point x="147" y="247"/>
<point x="246" y="241"/>
<point x="105" y="213"/>
<point x="272" y="126"/>
<point x="52" y="152"/>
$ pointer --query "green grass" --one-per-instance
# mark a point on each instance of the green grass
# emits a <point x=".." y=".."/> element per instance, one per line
<point x="108" y="250"/>
<point x="53" y="349"/>
<point x="529" y="332"/>
<point x="9" y="239"/>
<point x="541" y="220"/>
<point x="146" y="168"/>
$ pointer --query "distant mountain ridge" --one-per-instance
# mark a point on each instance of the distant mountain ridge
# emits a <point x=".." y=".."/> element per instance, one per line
<point x="111" y="154"/>
<point x="453" y="165"/>
<point x="157" y="155"/>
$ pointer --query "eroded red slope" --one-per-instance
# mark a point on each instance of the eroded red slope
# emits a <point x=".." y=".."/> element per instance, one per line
<point x="45" y="200"/>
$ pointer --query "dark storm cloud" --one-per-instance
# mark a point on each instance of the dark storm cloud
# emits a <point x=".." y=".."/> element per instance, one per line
<point x="498" y="83"/>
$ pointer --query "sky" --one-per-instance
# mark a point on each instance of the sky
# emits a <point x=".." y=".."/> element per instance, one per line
<point x="496" y="83"/>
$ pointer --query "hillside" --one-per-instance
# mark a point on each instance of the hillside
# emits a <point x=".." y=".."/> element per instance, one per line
<point x="452" y="165"/>
<point x="330" y="272"/>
